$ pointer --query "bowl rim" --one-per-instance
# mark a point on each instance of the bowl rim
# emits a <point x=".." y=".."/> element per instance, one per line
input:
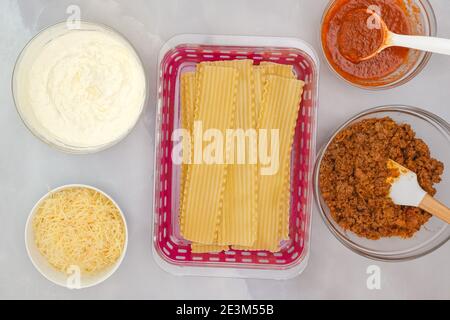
<point x="420" y="64"/>
<point x="404" y="255"/>
<point x="28" y="229"/>
<point x="64" y="147"/>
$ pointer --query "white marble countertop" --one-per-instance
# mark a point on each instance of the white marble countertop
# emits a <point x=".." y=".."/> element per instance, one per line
<point x="28" y="167"/>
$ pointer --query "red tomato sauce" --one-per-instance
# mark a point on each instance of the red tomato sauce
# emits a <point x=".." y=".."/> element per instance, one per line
<point x="345" y="35"/>
<point x="356" y="40"/>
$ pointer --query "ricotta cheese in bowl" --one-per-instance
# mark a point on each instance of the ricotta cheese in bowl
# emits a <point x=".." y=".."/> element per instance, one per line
<point x="80" y="90"/>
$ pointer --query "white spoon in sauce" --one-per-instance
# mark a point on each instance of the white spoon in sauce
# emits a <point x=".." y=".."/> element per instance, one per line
<point x="379" y="38"/>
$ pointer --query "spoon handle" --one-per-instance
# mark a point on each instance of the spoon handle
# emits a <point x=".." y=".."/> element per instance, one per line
<point x="431" y="205"/>
<point x="430" y="44"/>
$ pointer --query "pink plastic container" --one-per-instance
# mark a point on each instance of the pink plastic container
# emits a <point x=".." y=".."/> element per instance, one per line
<point x="170" y="250"/>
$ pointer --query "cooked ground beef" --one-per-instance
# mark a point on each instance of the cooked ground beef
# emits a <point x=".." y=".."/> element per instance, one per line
<point x="353" y="178"/>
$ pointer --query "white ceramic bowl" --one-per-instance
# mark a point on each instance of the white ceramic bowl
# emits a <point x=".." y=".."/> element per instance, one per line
<point x="56" y="276"/>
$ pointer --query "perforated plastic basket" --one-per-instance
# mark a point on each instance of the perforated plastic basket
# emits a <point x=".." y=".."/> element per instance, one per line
<point x="171" y="251"/>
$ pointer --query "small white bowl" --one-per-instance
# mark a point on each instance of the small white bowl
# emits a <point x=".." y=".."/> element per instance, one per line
<point x="55" y="276"/>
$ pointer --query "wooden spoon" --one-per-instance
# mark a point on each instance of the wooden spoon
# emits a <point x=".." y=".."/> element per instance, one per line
<point x="406" y="191"/>
<point x="387" y="38"/>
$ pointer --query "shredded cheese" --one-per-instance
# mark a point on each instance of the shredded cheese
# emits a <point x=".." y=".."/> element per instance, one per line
<point x="79" y="227"/>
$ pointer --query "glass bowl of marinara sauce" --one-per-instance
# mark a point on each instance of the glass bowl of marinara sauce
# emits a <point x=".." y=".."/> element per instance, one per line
<point x="393" y="66"/>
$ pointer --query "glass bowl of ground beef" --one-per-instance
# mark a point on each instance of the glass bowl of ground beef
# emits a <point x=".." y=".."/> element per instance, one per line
<point x="351" y="189"/>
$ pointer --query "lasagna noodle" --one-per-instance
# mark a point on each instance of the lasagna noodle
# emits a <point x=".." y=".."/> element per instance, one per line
<point x="208" y="248"/>
<point x="188" y="97"/>
<point x="203" y="195"/>
<point x="279" y="110"/>
<point x="187" y="121"/>
<point x="239" y="218"/>
<point x="287" y="71"/>
<point x="276" y="69"/>
<point x="260" y="75"/>
<point x="285" y="204"/>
